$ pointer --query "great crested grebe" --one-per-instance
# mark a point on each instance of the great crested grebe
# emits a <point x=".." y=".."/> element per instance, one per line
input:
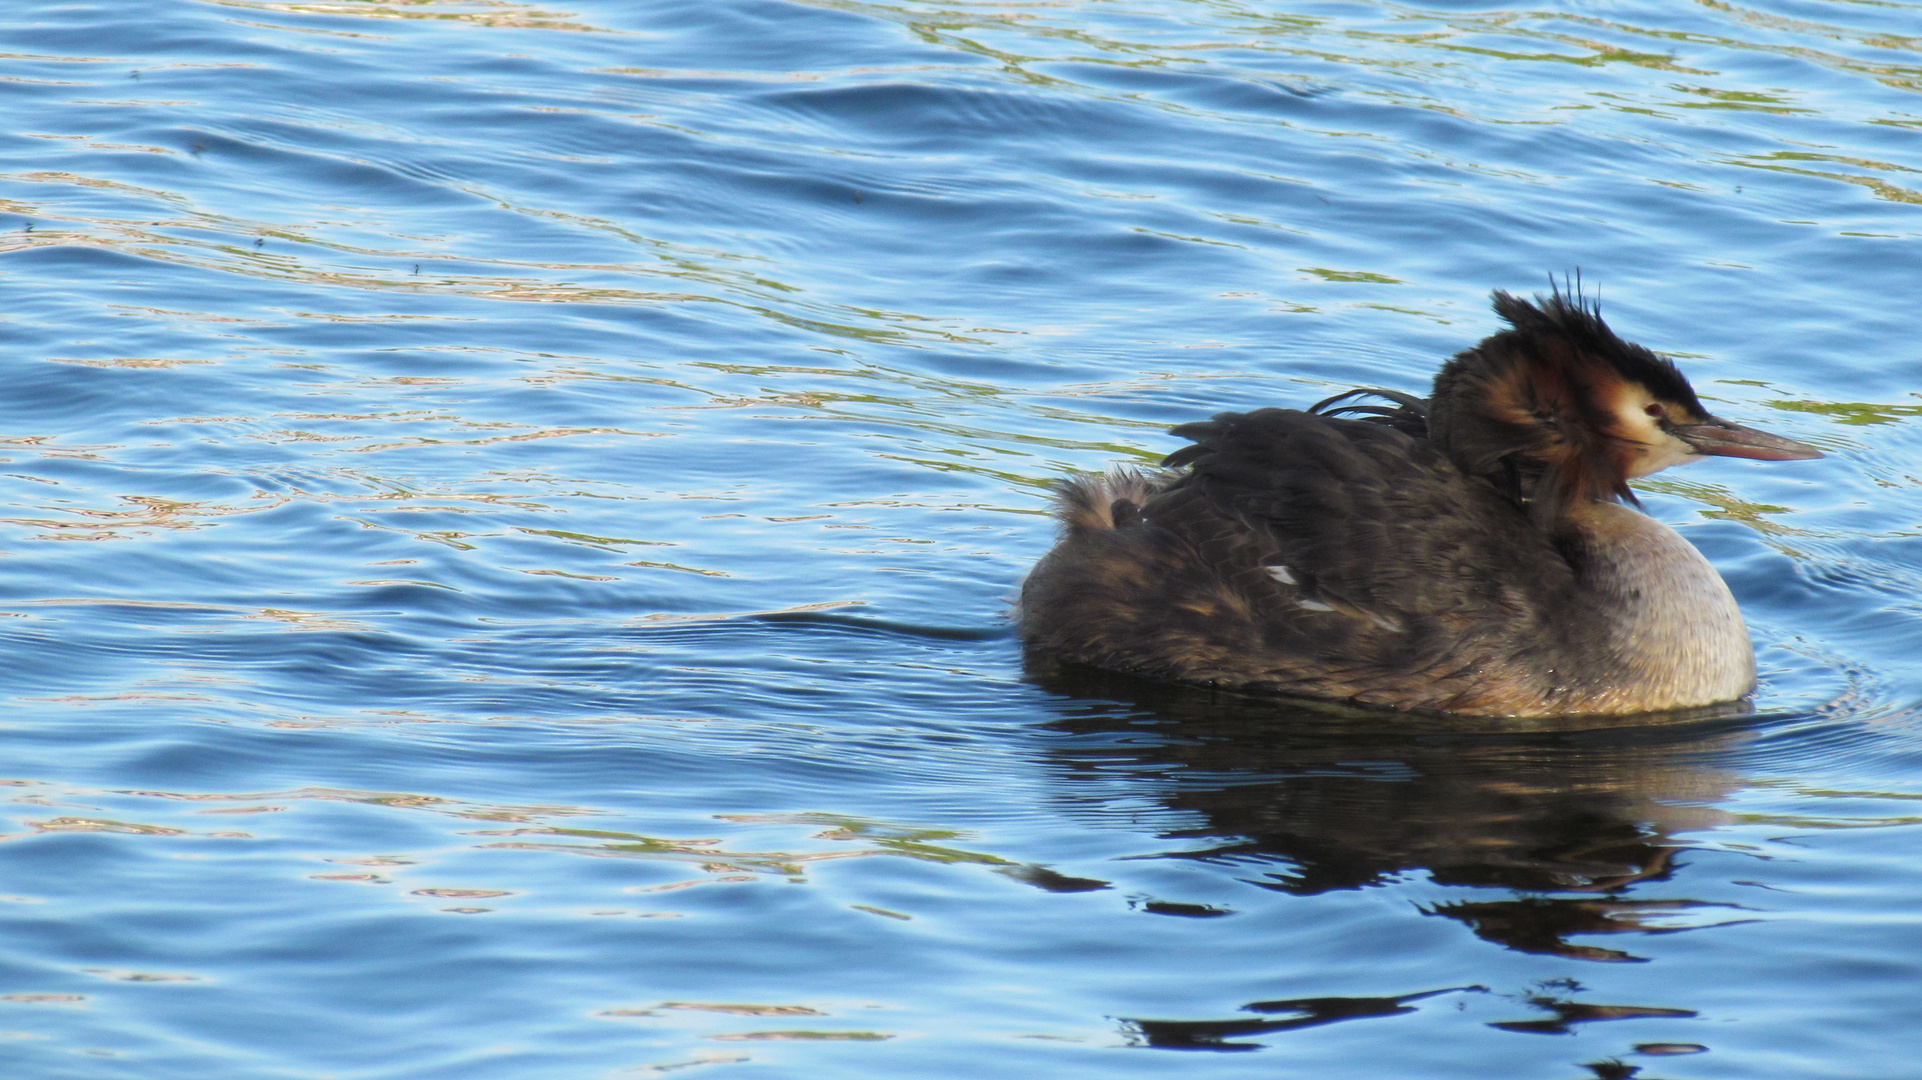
<point x="1470" y="553"/>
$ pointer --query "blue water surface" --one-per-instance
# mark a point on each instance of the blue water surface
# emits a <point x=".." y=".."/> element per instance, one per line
<point x="508" y="515"/>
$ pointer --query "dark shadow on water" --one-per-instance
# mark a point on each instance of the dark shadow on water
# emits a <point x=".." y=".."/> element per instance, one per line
<point x="1298" y="1013"/>
<point x="1569" y="815"/>
<point x="1565" y="824"/>
<point x="839" y="621"/>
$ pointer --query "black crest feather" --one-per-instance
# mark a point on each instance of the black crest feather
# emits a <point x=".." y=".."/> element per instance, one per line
<point x="1578" y="320"/>
<point x="1530" y="408"/>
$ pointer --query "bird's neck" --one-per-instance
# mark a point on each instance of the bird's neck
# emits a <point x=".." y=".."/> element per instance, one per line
<point x="1663" y="630"/>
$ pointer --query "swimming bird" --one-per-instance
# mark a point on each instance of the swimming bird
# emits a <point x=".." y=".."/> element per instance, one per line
<point x="1478" y="551"/>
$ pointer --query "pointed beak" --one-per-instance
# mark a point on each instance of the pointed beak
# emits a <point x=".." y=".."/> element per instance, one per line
<point x="1724" y="439"/>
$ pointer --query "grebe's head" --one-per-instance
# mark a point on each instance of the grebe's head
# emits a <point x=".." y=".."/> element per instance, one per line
<point x="1560" y="411"/>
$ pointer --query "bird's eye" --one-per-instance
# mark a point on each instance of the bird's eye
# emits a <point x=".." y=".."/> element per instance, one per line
<point x="1655" y="410"/>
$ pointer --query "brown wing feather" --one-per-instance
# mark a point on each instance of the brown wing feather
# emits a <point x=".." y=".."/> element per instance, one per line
<point x="1427" y="570"/>
<point x="1414" y="586"/>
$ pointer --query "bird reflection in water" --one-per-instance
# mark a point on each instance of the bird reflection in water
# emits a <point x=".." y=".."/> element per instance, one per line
<point x="1280" y="1016"/>
<point x="1568" y="819"/>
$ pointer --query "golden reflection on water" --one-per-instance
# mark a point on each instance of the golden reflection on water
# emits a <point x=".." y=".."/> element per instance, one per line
<point x="1857" y="413"/>
<point x="1727" y="506"/>
<point x="488" y="13"/>
<point x="831" y="837"/>
<point x="865" y="837"/>
<point x="1424" y="45"/>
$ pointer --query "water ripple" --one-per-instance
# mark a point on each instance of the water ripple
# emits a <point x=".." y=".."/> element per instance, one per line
<point x="508" y="513"/>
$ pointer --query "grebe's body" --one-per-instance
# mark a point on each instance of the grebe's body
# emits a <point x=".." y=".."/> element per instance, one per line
<point x="1469" y="553"/>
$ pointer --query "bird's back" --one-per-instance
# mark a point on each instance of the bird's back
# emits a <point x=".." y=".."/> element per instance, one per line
<point x="1304" y="553"/>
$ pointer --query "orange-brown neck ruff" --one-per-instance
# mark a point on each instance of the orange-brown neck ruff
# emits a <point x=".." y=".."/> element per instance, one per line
<point x="1534" y="408"/>
<point x="1555" y="404"/>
